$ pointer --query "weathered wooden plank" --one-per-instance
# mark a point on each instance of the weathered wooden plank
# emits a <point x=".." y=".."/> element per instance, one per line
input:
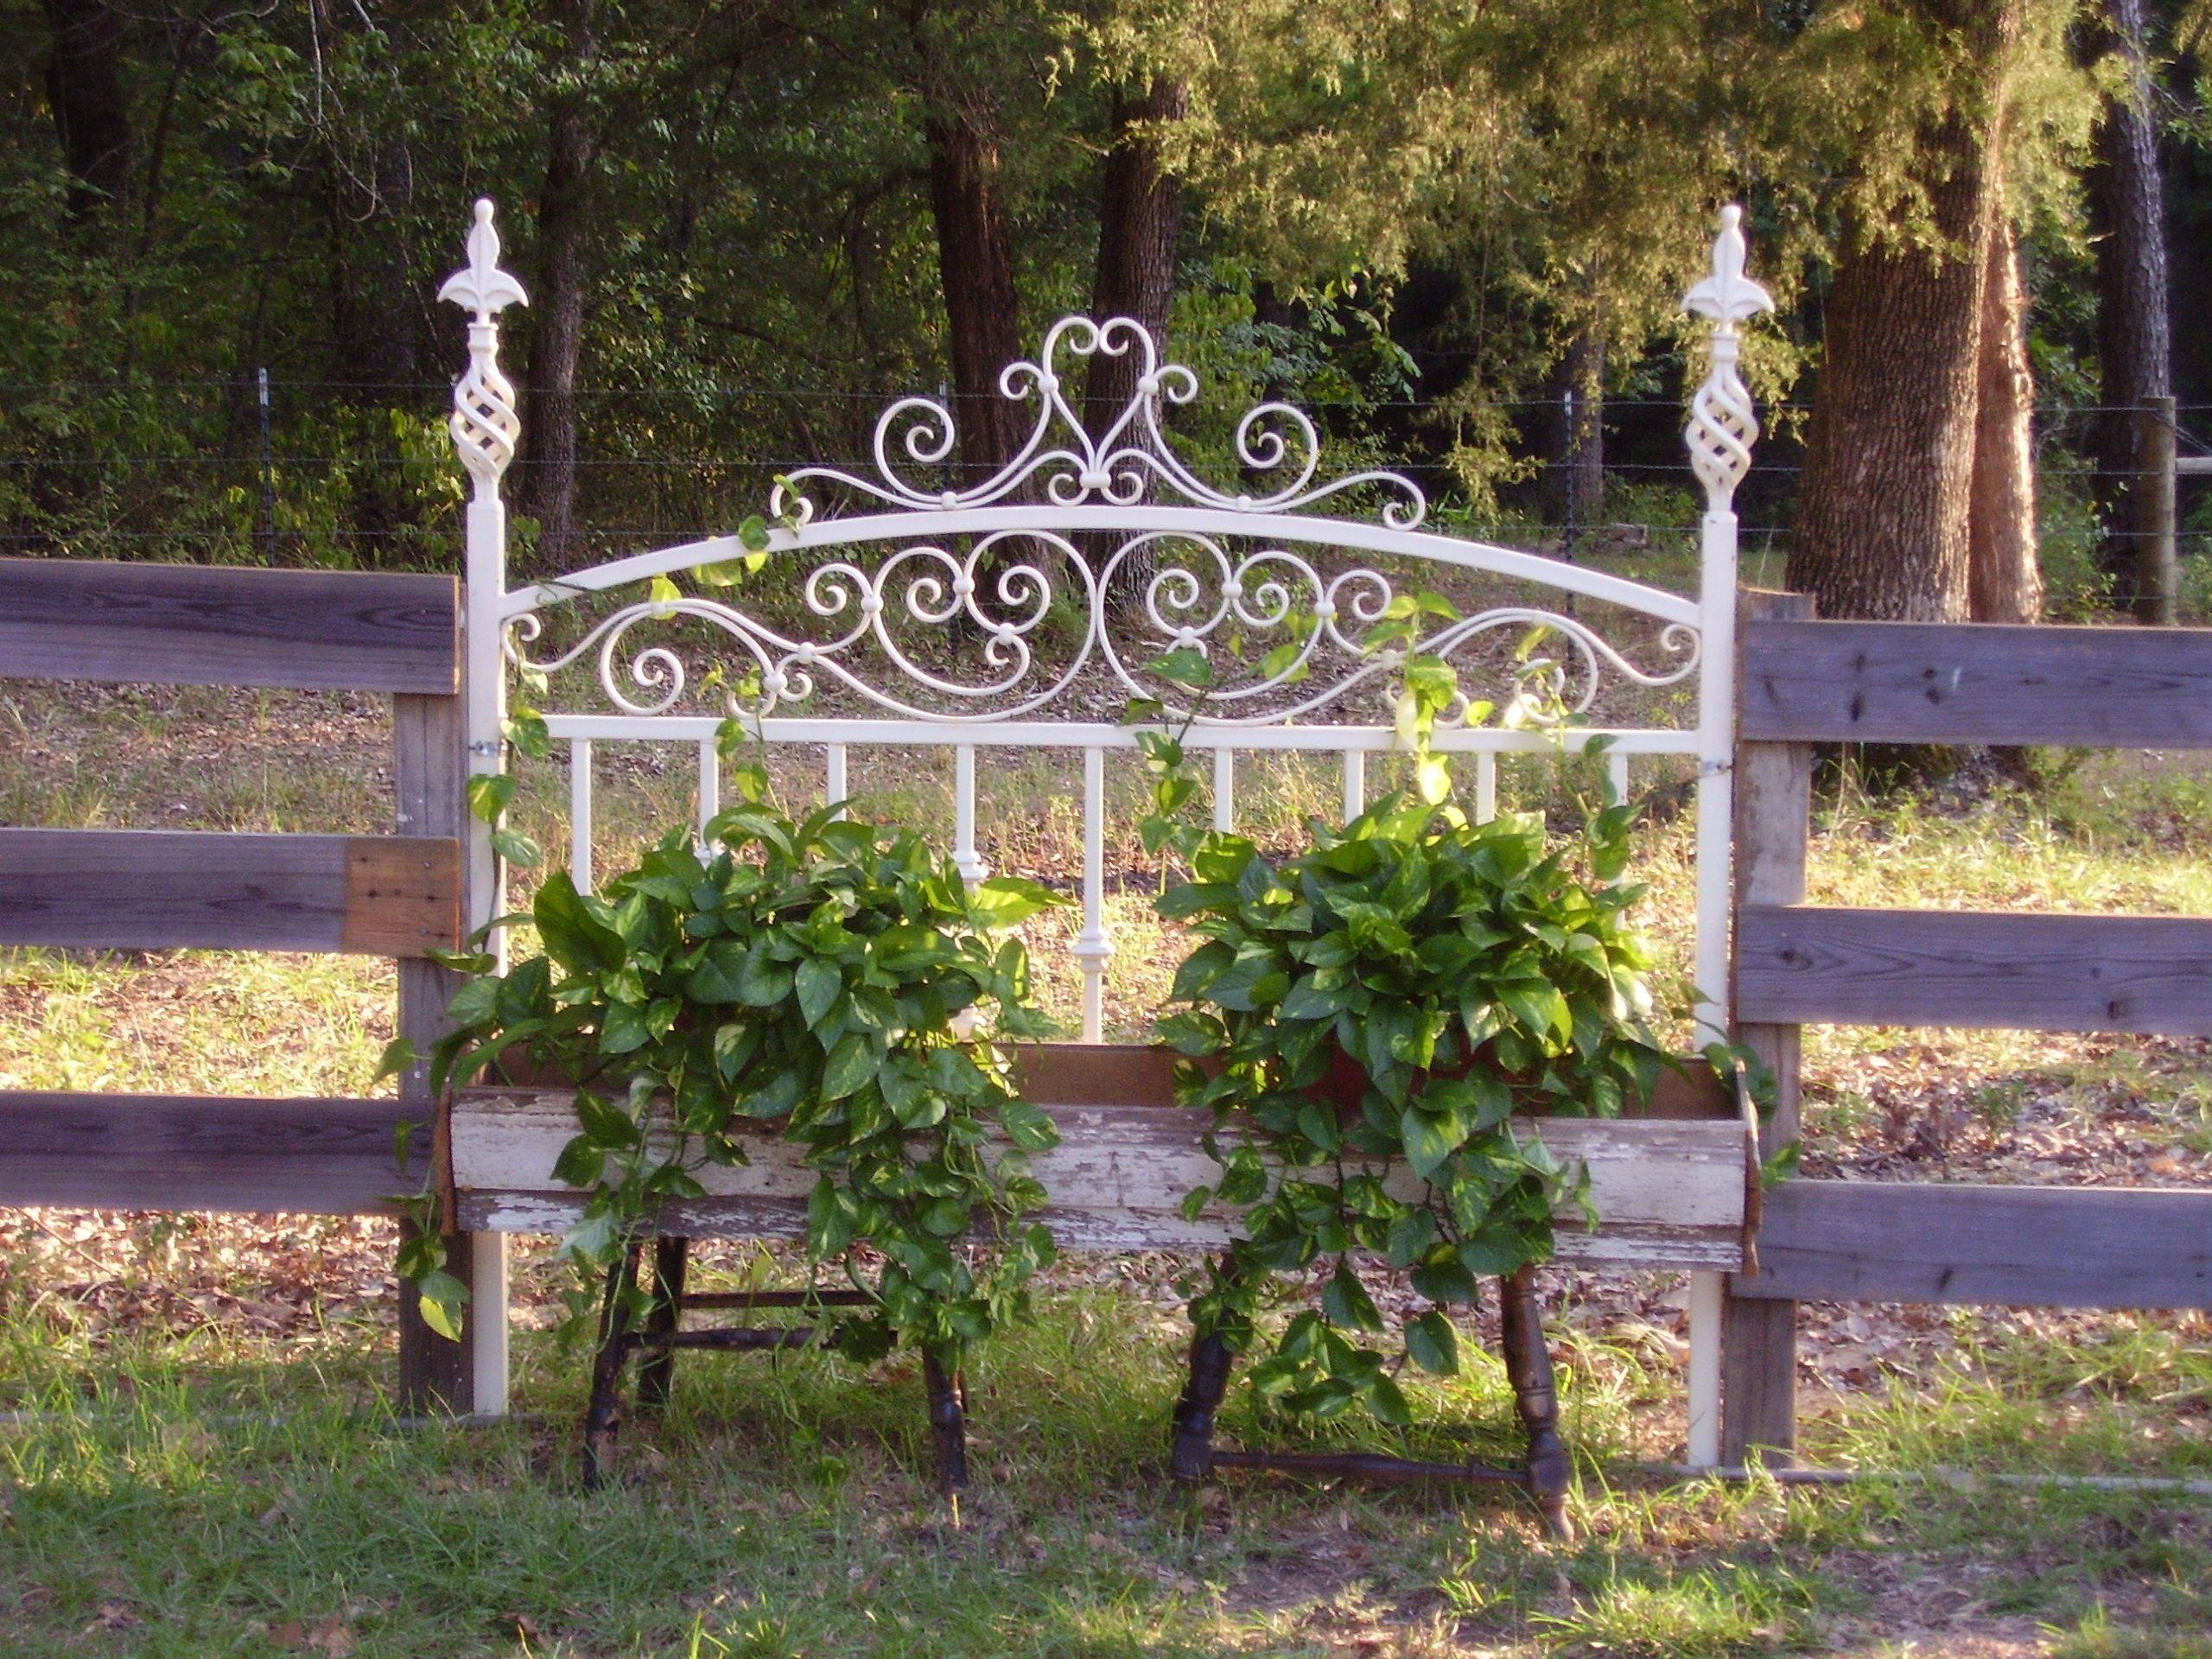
<point x="1669" y="1192"/>
<point x="173" y="1152"/>
<point x="1142" y="1074"/>
<point x="1773" y="819"/>
<point x="2021" y="1246"/>
<point x="429" y="758"/>
<point x="1805" y="964"/>
<point x="157" y="889"/>
<point x="1976" y="682"/>
<point x="197" y="624"/>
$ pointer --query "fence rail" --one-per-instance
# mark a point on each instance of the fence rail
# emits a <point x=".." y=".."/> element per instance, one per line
<point x="2015" y="1246"/>
<point x="1982" y="682"/>
<point x="1807" y="965"/>
<point x="159" y="890"/>
<point x="181" y="1152"/>
<point x="199" y="624"/>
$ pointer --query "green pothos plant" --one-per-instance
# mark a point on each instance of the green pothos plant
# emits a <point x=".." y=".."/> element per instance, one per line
<point x="826" y="981"/>
<point x="1366" y="1018"/>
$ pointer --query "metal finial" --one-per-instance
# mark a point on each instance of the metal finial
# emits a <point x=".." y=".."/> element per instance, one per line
<point x="484" y="424"/>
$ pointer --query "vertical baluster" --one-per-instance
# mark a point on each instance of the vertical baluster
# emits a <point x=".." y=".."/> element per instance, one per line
<point x="1092" y="947"/>
<point x="579" y="813"/>
<point x="833" y="776"/>
<point x="1485" y="787"/>
<point x="972" y="868"/>
<point x="1355" y="783"/>
<point x="1224" y="790"/>
<point x="1616" y="774"/>
<point x="710" y="782"/>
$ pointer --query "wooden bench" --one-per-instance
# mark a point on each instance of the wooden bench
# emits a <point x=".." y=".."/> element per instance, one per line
<point x="1675" y="1188"/>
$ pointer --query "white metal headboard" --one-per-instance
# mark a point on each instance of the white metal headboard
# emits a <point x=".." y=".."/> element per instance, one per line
<point x="991" y="561"/>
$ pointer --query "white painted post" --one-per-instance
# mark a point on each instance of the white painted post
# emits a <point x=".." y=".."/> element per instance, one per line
<point x="1355" y="783"/>
<point x="833" y="775"/>
<point x="710" y="782"/>
<point x="1722" y="428"/>
<point x="485" y="427"/>
<point x="1485" y="787"/>
<point x="1225" y="791"/>
<point x="970" y="862"/>
<point x="579" y="813"/>
<point x="1092" y="947"/>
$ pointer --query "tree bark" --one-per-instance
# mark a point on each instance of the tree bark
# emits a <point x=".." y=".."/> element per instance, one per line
<point x="2127" y="226"/>
<point x="547" y="462"/>
<point x="92" y="119"/>
<point x="982" y="317"/>
<point x="2004" y="584"/>
<point x="1884" y="503"/>
<point x="1139" y="224"/>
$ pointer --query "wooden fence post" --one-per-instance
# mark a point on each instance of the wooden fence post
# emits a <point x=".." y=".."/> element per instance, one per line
<point x="429" y="765"/>
<point x="2157" y="578"/>
<point x="1772" y="821"/>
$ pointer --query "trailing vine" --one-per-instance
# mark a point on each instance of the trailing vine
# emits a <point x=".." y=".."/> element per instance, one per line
<point x="823" y="980"/>
<point x="1364" y="1019"/>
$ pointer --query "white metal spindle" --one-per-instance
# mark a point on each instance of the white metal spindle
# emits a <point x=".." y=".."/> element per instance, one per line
<point x="485" y="427"/>
<point x="1723" y="425"/>
<point x="972" y="867"/>
<point x="833" y="775"/>
<point x="1616" y="774"/>
<point x="1224" y="790"/>
<point x="1092" y="947"/>
<point x="579" y="813"/>
<point x="1485" y="787"/>
<point x="1355" y="783"/>
<point x="710" y="782"/>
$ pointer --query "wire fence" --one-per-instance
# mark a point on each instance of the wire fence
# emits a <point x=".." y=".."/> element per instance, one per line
<point x="277" y="498"/>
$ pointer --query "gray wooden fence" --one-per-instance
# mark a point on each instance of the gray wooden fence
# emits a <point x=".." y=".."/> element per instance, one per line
<point x="397" y="895"/>
<point x="1805" y="681"/>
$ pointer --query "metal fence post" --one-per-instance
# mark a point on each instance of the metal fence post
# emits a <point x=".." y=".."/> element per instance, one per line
<point x="485" y="430"/>
<point x="1722" y="428"/>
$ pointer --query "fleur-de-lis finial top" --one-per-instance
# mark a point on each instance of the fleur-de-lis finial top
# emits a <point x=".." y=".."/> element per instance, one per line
<point x="480" y="286"/>
<point x="1722" y="424"/>
<point x="1728" y="296"/>
<point x="484" y="424"/>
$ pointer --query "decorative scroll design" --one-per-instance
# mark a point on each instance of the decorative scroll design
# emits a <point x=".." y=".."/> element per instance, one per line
<point x="484" y="424"/>
<point x="1201" y="595"/>
<point x="1723" y="423"/>
<point x="1130" y="461"/>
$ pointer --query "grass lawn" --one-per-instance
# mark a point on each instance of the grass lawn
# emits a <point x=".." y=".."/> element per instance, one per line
<point x="197" y="1458"/>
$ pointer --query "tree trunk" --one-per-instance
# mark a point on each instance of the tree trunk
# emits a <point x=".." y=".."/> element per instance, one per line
<point x="2004" y="582"/>
<point x="1574" y="477"/>
<point x="982" y="320"/>
<point x="2127" y="223"/>
<point x="1139" y="222"/>
<point x="91" y="119"/>
<point x="1885" y="499"/>
<point x="547" y="463"/>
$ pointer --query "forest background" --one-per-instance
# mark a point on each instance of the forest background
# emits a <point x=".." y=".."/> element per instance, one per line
<point x="1458" y="233"/>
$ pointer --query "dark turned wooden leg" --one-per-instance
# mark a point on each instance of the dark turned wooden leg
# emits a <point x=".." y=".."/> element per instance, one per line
<point x="947" y="1425"/>
<point x="1190" y="1452"/>
<point x="656" y="1365"/>
<point x="603" y="1416"/>
<point x="1529" y="1367"/>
